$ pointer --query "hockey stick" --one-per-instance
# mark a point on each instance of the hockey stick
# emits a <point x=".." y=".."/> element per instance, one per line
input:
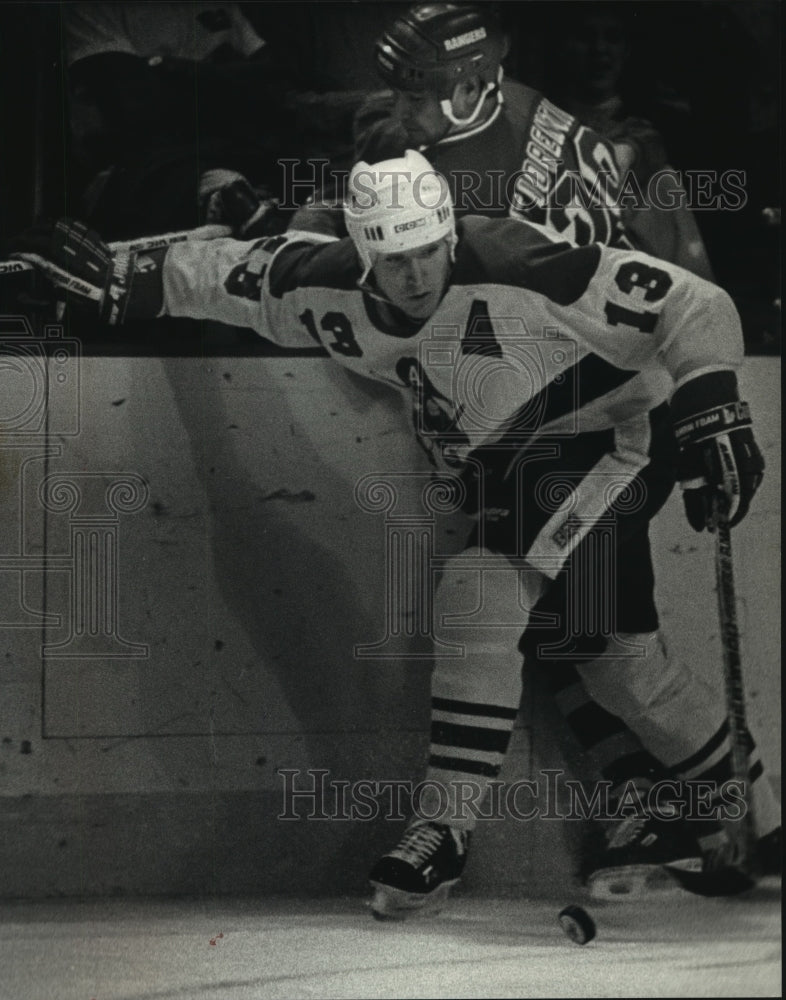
<point x="208" y="232"/>
<point x="736" y="877"/>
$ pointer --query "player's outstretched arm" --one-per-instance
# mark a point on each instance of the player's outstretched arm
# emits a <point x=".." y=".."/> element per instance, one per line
<point x="83" y="271"/>
<point x="222" y="279"/>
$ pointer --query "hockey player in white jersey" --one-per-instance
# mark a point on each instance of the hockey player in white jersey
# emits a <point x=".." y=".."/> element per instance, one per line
<point x="551" y="366"/>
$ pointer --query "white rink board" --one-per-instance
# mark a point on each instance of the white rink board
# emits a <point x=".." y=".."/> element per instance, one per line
<point x="251" y="573"/>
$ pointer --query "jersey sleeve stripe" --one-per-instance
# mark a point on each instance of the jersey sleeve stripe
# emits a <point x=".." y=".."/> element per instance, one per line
<point x="302" y="265"/>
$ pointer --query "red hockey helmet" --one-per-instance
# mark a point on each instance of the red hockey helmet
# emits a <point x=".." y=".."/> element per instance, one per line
<point x="433" y="46"/>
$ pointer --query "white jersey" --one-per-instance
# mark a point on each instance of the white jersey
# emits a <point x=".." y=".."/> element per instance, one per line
<point x="533" y="338"/>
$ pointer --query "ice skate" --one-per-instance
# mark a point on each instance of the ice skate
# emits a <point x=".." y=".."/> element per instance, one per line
<point x="416" y="877"/>
<point x="636" y="851"/>
<point x="769" y="853"/>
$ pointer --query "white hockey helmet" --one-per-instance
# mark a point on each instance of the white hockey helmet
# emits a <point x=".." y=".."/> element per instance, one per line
<point x="397" y="205"/>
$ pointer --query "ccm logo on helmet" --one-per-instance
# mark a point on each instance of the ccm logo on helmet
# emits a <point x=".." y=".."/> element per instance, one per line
<point x="466" y="39"/>
<point x="404" y="226"/>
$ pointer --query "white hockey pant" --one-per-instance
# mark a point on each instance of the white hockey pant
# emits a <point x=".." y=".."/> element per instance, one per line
<point x="677" y="717"/>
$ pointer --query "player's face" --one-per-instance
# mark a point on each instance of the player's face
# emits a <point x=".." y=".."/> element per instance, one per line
<point x="421" y="115"/>
<point x="415" y="280"/>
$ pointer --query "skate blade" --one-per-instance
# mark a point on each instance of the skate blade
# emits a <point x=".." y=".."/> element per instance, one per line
<point x="395" y="904"/>
<point x="723" y="882"/>
<point x="635" y="881"/>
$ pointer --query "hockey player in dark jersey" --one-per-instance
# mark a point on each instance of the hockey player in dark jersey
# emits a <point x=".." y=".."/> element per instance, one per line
<point x="504" y="148"/>
<point x="551" y="366"/>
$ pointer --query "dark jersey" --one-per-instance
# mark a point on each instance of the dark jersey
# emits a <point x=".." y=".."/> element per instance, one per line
<point x="530" y="160"/>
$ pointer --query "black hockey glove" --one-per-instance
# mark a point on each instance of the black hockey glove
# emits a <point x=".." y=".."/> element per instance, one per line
<point x="226" y="197"/>
<point x="87" y="274"/>
<point x="77" y="263"/>
<point x="719" y="460"/>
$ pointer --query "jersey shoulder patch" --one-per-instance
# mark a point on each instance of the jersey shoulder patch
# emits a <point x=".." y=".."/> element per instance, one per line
<point x="510" y="252"/>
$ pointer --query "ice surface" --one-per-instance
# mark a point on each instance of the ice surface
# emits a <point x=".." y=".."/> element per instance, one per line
<point x="671" y="945"/>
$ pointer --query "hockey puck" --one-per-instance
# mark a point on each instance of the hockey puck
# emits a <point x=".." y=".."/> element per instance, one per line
<point x="577" y="924"/>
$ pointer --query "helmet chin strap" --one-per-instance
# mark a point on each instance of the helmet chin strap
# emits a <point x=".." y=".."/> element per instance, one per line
<point x="447" y="104"/>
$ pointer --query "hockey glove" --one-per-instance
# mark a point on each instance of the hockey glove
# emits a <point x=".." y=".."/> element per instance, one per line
<point x="76" y="261"/>
<point x="88" y="275"/>
<point x="719" y="460"/>
<point x="226" y="197"/>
